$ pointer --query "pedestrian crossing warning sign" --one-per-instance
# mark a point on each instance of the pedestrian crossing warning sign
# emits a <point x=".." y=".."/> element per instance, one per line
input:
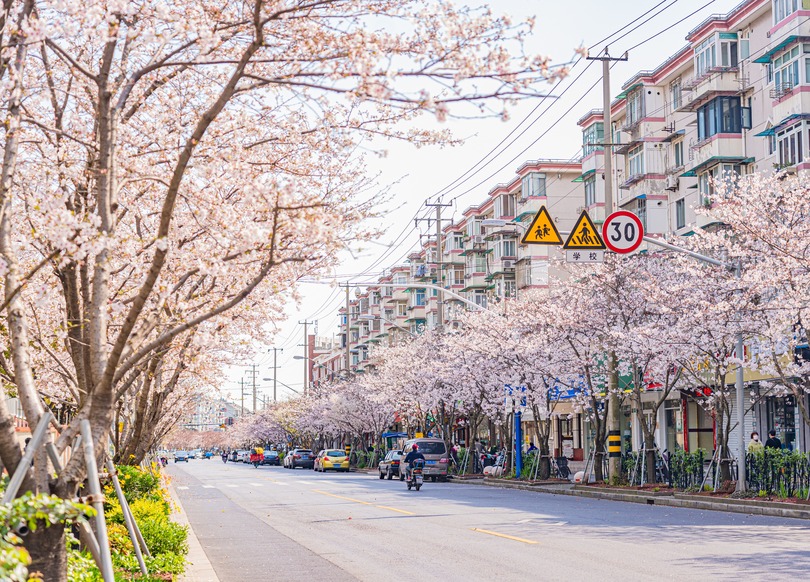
<point x="542" y="230"/>
<point x="584" y="235"/>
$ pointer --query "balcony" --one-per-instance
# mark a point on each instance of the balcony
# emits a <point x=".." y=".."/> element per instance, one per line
<point x="715" y="81"/>
<point x="781" y="90"/>
<point x="723" y="147"/>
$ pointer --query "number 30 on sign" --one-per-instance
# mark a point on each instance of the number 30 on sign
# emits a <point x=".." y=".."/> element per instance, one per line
<point x="622" y="232"/>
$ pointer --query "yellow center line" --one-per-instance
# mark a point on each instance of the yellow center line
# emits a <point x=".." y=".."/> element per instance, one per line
<point x="341" y="497"/>
<point x="500" y="535"/>
<point x="402" y="511"/>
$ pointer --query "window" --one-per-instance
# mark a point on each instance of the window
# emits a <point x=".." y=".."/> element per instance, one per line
<point x="728" y="50"/>
<point x="375" y="298"/>
<point x="505" y="206"/>
<point x="709" y="180"/>
<point x="458" y="276"/>
<point x="387" y="291"/>
<point x="677" y="150"/>
<point x="784" y="8"/>
<point x="675" y="89"/>
<point x="533" y="184"/>
<point x="590" y="190"/>
<point x="785" y="69"/>
<point x="474" y="227"/>
<point x="480" y="263"/>
<point x="634" y="107"/>
<point x="506" y="248"/>
<point x="721" y="115"/>
<point x="635" y="161"/>
<point x="641" y="211"/>
<point x="789" y="145"/>
<point x="705" y="57"/>
<point x="458" y="241"/>
<point x="591" y="136"/>
<point x="680" y="213"/>
<point x="479" y="298"/>
<point x="419" y="298"/>
<point x="400" y="279"/>
<point x="402" y="309"/>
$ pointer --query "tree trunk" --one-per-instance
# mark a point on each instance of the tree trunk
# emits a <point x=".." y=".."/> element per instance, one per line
<point x="48" y="549"/>
<point x="599" y="445"/>
<point x="649" y="445"/>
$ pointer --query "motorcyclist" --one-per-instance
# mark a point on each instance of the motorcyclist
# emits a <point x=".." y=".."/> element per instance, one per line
<point x="224" y="457"/>
<point x="413" y="455"/>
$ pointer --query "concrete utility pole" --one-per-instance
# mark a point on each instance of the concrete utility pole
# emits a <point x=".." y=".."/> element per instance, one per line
<point x="253" y="373"/>
<point x="306" y="323"/>
<point x="614" y="413"/>
<point x="348" y="322"/>
<point x="242" y="392"/>
<point x="275" y="372"/>
<point x="439" y="262"/>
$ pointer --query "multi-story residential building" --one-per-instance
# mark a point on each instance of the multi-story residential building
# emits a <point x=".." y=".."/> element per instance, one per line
<point x="734" y="100"/>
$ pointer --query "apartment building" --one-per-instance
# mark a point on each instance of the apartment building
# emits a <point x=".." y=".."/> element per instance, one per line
<point x="734" y="100"/>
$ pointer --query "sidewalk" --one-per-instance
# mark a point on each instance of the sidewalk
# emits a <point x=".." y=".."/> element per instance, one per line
<point x="199" y="568"/>
<point x="747" y="506"/>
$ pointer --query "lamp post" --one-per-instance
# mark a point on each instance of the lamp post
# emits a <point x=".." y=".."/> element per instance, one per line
<point x="287" y="386"/>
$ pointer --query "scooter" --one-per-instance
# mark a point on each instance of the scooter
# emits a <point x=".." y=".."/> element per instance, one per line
<point x="415" y="478"/>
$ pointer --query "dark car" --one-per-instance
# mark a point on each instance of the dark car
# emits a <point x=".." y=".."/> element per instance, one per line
<point x="271" y="458"/>
<point x="303" y="458"/>
<point x="389" y="466"/>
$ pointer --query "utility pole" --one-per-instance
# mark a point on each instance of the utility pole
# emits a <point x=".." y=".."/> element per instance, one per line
<point x="242" y="392"/>
<point x="275" y="371"/>
<point x="306" y="323"/>
<point x="348" y="322"/>
<point x="614" y="413"/>
<point x="253" y="373"/>
<point x="439" y="261"/>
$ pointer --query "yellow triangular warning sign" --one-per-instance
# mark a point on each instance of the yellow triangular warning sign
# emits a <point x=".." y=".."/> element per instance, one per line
<point x="542" y="231"/>
<point x="584" y="235"/>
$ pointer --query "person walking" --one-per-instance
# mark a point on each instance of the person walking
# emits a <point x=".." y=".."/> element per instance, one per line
<point x="773" y="442"/>
<point x="755" y="445"/>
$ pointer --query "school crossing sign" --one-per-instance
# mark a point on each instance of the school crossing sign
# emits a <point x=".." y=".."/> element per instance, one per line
<point x="542" y="231"/>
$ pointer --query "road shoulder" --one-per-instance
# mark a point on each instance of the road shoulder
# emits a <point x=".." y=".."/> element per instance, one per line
<point x="198" y="568"/>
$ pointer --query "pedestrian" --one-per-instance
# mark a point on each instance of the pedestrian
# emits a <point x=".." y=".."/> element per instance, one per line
<point x="531" y="448"/>
<point x="454" y="455"/>
<point x="755" y="445"/>
<point x="478" y="447"/>
<point x="773" y="442"/>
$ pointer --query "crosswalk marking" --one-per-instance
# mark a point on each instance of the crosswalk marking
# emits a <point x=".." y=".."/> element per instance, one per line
<point x="304" y="482"/>
<point x="231" y="485"/>
<point x="209" y="487"/>
<point x="256" y="485"/>
<point x="182" y="487"/>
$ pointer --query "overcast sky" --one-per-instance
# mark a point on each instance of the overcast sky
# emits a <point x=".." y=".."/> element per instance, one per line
<point x="550" y="132"/>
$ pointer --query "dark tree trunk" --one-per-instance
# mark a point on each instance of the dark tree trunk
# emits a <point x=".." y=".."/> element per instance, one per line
<point x="649" y="445"/>
<point x="47" y="546"/>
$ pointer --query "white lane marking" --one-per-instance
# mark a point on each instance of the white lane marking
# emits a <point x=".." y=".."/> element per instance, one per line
<point x="256" y="484"/>
<point x="304" y="482"/>
<point x="232" y="486"/>
<point x="209" y="487"/>
<point x="280" y="483"/>
<point x="182" y="487"/>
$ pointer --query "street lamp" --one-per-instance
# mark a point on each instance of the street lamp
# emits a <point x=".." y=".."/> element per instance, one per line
<point x="498" y="223"/>
<point x="288" y="387"/>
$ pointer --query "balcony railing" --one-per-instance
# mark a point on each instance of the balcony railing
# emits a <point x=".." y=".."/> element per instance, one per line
<point x="781" y="90"/>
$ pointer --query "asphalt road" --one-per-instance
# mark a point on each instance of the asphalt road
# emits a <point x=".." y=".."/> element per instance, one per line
<point x="276" y="524"/>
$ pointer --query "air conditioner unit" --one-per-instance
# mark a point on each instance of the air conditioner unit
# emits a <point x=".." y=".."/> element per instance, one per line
<point x="433" y="271"/>
<point x="509" y="264"/>
<point x="468" y="276"/>
<point x="478" y="239"/>
<point x="672" y="182"/>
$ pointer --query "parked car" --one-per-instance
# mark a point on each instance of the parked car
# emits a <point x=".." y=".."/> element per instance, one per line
<point x="299" y="458"/>
<point x="271" y="458"/>
<point x="331" y="459"/>
<point x="436" y="458"/>
<point x="242" y="456"/>
<point x="389" y="466"/>
<point x="180" y="456"/>
<point x="208" y="454"/>
<point x="197" y="454"/>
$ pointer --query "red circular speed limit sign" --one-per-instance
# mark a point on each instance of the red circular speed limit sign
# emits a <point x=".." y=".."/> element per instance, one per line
<point x="622" y="232"/>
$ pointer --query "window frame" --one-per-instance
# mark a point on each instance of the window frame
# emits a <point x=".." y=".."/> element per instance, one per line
<point x="680" y="213"/>
<point x="720" y="115"/>
<point x="533" y="184"/>
<point x="635" y="161"/>
<point x="589" y="184"/>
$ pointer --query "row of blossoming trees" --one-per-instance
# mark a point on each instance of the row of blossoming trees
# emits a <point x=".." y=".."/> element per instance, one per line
<point x="671" y="320"/>
<point x="170" y="169"/>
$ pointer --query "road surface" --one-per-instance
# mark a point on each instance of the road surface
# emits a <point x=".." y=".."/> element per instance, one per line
<point x="272" y="523"/>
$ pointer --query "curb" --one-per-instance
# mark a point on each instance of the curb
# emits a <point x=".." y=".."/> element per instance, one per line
<point x="767" y="509"/>
<point x="198" y="567"/>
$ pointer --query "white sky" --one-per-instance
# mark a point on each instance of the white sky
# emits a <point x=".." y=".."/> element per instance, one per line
<point x="417" y="174"/>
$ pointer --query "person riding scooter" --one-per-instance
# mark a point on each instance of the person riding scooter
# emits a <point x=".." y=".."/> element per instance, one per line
<point x="410" y="458"/>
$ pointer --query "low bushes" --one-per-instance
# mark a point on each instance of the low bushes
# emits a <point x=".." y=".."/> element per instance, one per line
<point x="778" y="472"/>
<point x="166" y="540"/>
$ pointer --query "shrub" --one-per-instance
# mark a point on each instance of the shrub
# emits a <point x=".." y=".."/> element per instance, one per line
<point x="137" y="483"/>
<point x="119" y="538"/>
<point x="164" y="536"/>
<point x="149" y="509"/>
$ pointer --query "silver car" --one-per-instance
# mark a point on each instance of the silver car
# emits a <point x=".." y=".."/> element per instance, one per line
<point x="436" y="457"/>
